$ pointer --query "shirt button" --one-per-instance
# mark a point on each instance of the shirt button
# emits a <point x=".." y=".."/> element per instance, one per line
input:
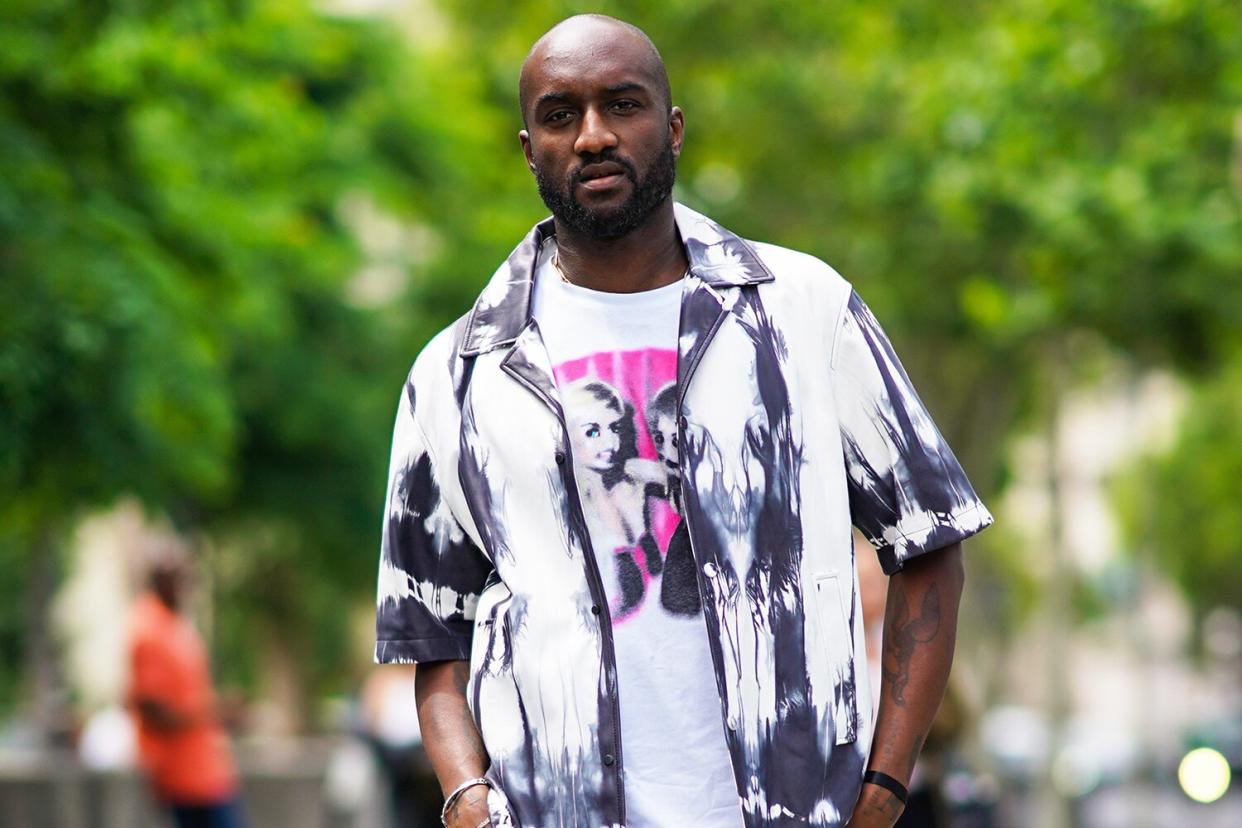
<point x="732" y="723"/>
<point x="609" y="759"/>
<point x="595" y="609"/>
<point x="560" y="458"/>
<point x="709" y="569"/>
<point x="682" y="422"/>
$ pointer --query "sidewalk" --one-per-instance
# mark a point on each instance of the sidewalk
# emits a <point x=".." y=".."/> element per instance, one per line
<point x="283" y="785"/>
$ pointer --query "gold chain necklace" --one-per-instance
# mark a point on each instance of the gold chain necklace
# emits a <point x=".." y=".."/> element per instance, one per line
<point x="556" y="263"/>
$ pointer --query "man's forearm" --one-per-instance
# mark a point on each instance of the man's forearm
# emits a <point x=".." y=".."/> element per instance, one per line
<point x="920" y="631"/>
<point x="450" y="736"/>
<point x="162" y="717"/>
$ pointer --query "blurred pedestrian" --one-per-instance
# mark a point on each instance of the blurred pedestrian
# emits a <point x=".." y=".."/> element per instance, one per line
<point x="390" y="722"/>
<point x="182" y="745"/>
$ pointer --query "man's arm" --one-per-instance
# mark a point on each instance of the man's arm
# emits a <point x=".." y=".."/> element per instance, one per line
<point x="152" y="671"/>
<point x="450" y="737"/>
<point x="920" y="630"/>
<point x="162" y="717"/>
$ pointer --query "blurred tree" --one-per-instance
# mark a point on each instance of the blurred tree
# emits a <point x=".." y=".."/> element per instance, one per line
<point x="181" y="185"/>
<point x="1180" y="507"/>
<point x="174" y="314"/>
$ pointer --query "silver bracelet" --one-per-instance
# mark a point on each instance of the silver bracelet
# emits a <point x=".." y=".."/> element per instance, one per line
<point x="451" y="799"/>
<point x="486" y="823"/>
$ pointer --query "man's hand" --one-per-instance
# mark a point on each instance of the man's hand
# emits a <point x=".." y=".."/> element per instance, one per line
<point x="920" y="630"/>
<point x="451" y="739"/>
<point x="470" y="809"/>
<point x="161" y="716"/>
<point x="877" y="808"/>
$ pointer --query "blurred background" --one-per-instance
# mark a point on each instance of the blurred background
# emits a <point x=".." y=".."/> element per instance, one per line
<point x="227" y="227"/>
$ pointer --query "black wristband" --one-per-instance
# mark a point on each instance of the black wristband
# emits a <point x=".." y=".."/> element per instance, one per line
<point x="885" y="781"/>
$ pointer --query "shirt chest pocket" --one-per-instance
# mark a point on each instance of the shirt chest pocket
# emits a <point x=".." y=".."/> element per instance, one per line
<point x="832" y="614"/>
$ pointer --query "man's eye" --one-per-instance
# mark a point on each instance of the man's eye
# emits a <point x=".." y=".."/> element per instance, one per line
<point x="625" y="106"/>
<point x="557" y="116"/>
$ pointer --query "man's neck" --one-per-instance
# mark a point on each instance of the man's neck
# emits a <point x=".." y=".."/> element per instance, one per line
<point x="648" y="257"/>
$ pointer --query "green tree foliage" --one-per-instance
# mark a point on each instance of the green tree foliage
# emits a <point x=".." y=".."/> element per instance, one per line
<point x="173" y="303"/>
<point x="178" y="257"/>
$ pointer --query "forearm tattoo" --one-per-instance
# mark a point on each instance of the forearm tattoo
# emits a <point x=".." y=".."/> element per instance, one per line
<point x="877" y="805"/>
<point x="903" y="633"/>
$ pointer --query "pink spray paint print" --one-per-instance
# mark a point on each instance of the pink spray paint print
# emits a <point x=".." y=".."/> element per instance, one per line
<point x="621" y="412"/>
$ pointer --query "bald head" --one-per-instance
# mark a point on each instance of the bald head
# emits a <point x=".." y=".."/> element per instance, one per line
<point x="168" y="566"/>
<point x="585" y="38"/>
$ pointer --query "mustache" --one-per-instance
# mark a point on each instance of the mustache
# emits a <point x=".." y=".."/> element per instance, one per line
<point x="599" y="158"/>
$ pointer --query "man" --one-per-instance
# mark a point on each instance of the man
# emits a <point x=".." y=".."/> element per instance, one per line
<point x="181" y="744"/>
<point x="555" y="687"/>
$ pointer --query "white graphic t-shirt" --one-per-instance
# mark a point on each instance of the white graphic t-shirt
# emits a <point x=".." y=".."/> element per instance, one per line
<point x="614" y="356"/>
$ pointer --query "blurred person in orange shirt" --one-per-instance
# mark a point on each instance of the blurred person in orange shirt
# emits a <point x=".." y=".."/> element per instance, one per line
<point x="182" y="745"/>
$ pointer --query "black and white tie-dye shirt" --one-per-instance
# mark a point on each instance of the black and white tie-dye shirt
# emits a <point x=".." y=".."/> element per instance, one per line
<point x="794" y="420"/>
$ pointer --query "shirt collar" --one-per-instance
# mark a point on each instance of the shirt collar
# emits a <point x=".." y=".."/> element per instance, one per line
<point x="718" y="257"/>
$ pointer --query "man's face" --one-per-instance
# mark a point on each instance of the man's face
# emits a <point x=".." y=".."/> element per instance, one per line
<point x="169" y="585"/>
<point x="601" y="138"/>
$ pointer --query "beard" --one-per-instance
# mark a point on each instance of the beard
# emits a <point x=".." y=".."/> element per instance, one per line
<point x="611" y="223"/>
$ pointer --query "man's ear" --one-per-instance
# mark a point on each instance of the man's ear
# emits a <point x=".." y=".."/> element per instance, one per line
<point x="524" y="137"/>
<point x="677" y="126"/>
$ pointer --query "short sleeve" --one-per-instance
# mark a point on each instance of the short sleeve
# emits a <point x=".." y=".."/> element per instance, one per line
<point x="430" y="572"/>
<point x="908" y="494"/>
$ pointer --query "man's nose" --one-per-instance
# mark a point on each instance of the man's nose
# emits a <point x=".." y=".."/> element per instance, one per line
<point x="595" y="136"/>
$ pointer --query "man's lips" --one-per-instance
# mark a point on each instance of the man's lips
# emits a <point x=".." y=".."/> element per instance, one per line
<point x="604" y="182"/>
<point x="601" y="176"/>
